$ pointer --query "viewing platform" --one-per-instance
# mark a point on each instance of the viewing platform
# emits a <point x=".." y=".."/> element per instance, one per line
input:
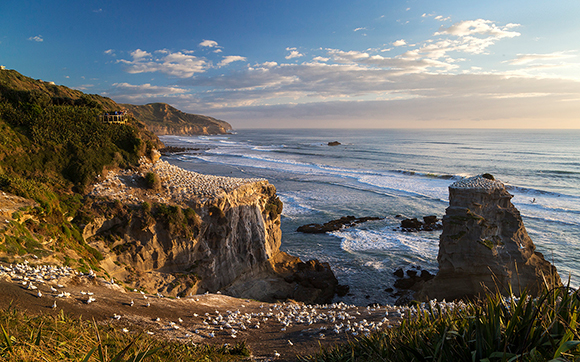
<point x="118" y="117"/>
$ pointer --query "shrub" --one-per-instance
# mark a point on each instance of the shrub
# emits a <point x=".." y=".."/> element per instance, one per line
<point x="152" y="181"/>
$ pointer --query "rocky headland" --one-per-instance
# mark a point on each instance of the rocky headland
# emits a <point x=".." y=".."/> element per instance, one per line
<point x="197" y="233"/>
<point x="484" y="246"/>
<point x="163" y="119"/>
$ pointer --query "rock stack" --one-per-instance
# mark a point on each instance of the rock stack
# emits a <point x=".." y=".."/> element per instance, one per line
<point x="484" y="246"/>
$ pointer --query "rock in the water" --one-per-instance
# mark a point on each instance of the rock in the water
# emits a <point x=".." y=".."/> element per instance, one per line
<point x="429" y="223"/>
<point x="334" y="143"/>
<point x="333" y="225"/>
<point x="485" y="246"/>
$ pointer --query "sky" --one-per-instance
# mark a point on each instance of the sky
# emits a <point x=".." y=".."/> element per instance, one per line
<point x="315" y="63"/>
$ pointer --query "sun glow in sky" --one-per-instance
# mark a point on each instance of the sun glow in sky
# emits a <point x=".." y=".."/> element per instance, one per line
<point x="321" y="63"/>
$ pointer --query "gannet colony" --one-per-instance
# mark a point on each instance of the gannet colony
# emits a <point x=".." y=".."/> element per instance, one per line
<point x="178" y="184"/>
<point x="318" y="321"/>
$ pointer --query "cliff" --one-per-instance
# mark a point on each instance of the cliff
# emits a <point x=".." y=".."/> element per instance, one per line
<point x="163" y="119"/>
<point x="484" y="246"/>
<point x="222" y="236"/>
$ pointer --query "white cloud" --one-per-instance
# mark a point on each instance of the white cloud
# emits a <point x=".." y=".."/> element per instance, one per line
<point x="109" y="52"/>
<point x="230" y="59"/>
<point x="269" y="64"/>
<point x="208" y="43"/>
<point x="176" y="64"/>
<point x="399" y="43"/>
<point x="479" y="27"/>
<point x="529" y="58"/>
<point x="217" y="51"/>
<point x="37" y="38"/>
<point x="441" y="18"/>
<point x="293" y="53"/>
<point x="144" y="92"/>
<point x="321" y="59"/>
<point x="140" y="54"/>
<point x="358" y="29"/>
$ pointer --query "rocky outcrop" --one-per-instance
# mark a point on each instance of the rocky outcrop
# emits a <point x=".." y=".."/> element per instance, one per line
<point x="429" y="223"/>
<point x="228" y="243"/>
<point x="333" y="225"/>
<point x="484" y="246"/>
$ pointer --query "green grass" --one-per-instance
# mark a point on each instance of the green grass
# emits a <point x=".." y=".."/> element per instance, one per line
<point x="494" y="329"/>
<point x="65" y="338"/>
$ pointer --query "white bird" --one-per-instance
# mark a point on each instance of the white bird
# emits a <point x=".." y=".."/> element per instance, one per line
<point x="90" y="300"/>
<point x="39" y="294"/>
<point x="131" y="304"/>
<point x="290" y="342"/>
<point x="54" y="305"/>
<point x="148" y="304"/>
<point x="53" y="289"/>
<point x="276" y="354"/>
<point x="180" y="320"/>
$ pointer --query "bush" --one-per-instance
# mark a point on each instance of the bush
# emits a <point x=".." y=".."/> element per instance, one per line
<point x="152" y="181"/>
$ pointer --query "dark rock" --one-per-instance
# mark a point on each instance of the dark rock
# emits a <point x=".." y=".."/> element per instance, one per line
<point x="430" y="223"/>
<point x="334" y="143"/>
<point x="412" y="273"/>
<point x="399" y="273"/>
<point x="333" y="225"/>
<point x="389" y="290"/>
<point x="342" y="290"/>
<point x="429" y="220"/>
<point x="411" y="224"/>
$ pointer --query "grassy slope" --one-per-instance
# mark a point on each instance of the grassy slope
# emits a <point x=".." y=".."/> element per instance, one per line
<point x="52" y="146"/>
<point x="164" y="119"/>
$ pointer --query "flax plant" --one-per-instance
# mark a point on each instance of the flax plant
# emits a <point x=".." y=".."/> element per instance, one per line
<point x="496" y="328"/>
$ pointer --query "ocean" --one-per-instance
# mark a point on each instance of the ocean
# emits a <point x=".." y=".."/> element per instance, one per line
<point x="386" y="173"/>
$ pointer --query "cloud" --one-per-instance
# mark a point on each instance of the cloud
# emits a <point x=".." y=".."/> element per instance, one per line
<point x="109" y="52"/>
<point x="217" y="51"/>
<point x="37" y="38"/>
<point x="140" y="54"/>
<point x="358" y="29"/>
<point x="230" y="59"/>
<point x="441" y="18"/>
<point x="429" y="80"/>
<point x="529" y="58"/>
<point x="175" y="64"/>
<point x="293" y="53"/>
<point x="479" y="27"/>
<point x="126" y="92"/>
<point x="208" y="43"/>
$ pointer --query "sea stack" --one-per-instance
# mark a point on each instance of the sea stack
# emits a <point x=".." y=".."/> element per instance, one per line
<point x="484" y="246"/>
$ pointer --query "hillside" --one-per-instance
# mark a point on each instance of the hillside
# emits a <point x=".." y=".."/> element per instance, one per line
<point x="163" y="119"/>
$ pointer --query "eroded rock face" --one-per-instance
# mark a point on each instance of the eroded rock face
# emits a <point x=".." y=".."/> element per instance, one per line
<point x="484" y="246"/>
<point x="232" y="244"/>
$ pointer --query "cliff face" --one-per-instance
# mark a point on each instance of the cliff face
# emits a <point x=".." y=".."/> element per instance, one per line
<point x="230" y="243"/>
<point x="163" y="119"/>
<point x="484" y="245"/>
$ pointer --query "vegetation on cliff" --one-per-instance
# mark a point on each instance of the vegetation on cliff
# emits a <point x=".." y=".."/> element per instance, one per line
<point x="52" y="145"/>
